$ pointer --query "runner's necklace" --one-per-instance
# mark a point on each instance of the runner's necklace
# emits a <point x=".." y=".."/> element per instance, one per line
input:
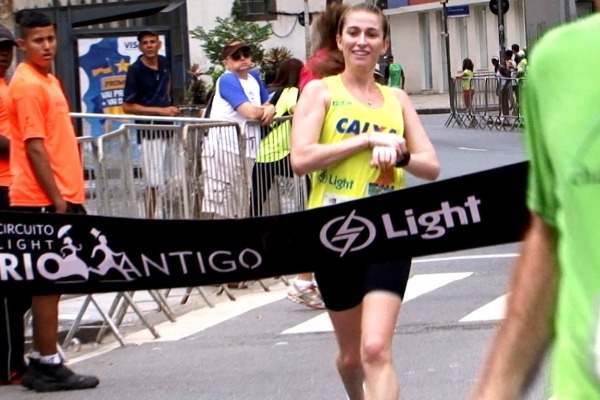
<point x="369" y="102"/>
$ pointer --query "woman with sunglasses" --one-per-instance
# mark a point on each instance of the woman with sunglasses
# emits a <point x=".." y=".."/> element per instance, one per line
<point x="365" y="305"/>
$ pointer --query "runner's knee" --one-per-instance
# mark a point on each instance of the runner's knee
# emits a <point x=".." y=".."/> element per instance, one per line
<point x="375" y="351"/>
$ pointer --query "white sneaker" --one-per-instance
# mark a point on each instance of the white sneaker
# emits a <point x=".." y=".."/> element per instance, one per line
<point x="309" y="296"/>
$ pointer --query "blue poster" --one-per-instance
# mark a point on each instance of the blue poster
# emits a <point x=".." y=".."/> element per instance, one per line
<point x="103" y="64"/>
<point x="103" y="70"/>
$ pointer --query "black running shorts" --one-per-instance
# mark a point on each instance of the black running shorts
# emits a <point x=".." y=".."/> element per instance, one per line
<point x="344" y="288"/>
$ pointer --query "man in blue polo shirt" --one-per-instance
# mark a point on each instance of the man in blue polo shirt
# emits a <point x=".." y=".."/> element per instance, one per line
<point x="148" y="82"/>
<point x="148" y="92"/>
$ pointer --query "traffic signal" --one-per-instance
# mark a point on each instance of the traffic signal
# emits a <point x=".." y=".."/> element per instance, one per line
<point x="494" y="6"/>
<point x="381" y="4"/>
<point x="301" y="20"/>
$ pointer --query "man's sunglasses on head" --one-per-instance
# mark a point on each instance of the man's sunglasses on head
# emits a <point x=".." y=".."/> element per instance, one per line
<point x="237" y="56"/>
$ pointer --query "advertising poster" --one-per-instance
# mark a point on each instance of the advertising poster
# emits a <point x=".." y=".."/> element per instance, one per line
<point x="103" y="64"/>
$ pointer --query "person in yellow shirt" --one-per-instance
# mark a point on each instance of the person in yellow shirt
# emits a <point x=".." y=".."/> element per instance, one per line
<point x="348" y="128"/>
<point x="272" y="158"/>
<point x="466" y="81"/>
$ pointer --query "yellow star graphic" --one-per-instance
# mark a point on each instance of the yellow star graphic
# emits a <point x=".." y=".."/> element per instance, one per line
<point x="122" y="65"/>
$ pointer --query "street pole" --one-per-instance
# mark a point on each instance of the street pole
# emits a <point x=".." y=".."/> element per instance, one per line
<point x="307" y="29"/>
<point x="501" y="37"/>
<point x="448" y="67"/>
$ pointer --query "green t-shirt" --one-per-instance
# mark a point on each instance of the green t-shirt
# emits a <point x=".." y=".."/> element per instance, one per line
<point x="395" y="72"/>
<point x="276" y="144"/>
<point x="467" y="80"/>
<point x="562" y="119"/>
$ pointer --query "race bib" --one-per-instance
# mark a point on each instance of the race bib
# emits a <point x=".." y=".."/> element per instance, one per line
<point x="330" y="199"/>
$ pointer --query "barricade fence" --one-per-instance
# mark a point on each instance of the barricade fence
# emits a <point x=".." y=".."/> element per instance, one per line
<point x="274" y="187"/>
<point x="184" y="168"/>
<point x="487" y="102"/>
<point x="192" y="168"/>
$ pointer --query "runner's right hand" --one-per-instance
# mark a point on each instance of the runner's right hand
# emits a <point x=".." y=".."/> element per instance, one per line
<point x="384" y="157"/>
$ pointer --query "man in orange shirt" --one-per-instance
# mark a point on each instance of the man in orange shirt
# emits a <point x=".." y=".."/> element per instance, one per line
<point x="47" y="177"/>
<point x="14" y="306"/>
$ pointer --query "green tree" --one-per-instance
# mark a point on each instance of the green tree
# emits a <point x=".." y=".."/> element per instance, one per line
<point x="272" y="58"/>
<point x="198" y="91"/>
<point x="231" y="28"/>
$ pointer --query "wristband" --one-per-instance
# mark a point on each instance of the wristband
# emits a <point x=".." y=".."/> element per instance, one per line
<point x="404" y="161"/>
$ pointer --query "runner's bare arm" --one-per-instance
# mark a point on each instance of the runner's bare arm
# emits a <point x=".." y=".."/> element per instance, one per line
<point x="307" y="153"/>
<point x="519" y="345"/>
<point x="424" y="162"/>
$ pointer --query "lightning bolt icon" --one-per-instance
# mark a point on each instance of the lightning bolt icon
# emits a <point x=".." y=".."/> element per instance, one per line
<point x="348" y="234"/>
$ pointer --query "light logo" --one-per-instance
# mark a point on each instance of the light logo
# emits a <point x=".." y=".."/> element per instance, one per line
<point x="351" y="234"/>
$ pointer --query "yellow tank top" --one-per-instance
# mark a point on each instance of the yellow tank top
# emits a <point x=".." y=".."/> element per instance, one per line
<point x="354" y="178"/>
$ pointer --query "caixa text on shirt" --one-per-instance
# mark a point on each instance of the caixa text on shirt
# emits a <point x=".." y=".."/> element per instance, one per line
<point x="32" y="251"/>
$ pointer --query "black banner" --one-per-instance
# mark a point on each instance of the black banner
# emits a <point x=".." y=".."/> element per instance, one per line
<point x="50" y="253"/>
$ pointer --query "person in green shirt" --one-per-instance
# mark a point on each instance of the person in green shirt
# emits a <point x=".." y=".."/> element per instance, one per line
<point x="395" y="73"/>
<point x="555" y="288"/>
<point x="466" y="80"/>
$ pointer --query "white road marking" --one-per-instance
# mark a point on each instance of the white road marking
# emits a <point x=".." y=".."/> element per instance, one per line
<point x="204" y="318"/>
<point x="492" y="311"/>
<point x="196" y="321"/>
<point x="471" y="149"/>
<point x="456" y="258"/>
<point x="418" y="285"/>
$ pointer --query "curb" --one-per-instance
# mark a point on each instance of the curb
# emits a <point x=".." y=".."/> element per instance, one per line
<point x="429" y="111"/>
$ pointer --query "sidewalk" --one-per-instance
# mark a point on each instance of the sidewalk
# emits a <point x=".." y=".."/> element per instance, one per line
<point x="434" y="103"/>
<point x="132" y="327"/>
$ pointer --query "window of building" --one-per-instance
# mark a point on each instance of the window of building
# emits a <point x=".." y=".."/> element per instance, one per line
<point x="258" y="10"/>
<point x="463" y="32"/>
<point x="425" y="37"/>
<point x="484" y="60"/>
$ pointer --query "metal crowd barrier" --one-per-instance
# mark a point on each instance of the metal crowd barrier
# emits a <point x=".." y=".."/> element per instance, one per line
<point x="134" y="171"/>
<point x="96" y="204"/>
<point x="487" y="102"/>
<point x="184" y="167"/>
<point x="143" y="171"/>
<point x="275" y="189"/>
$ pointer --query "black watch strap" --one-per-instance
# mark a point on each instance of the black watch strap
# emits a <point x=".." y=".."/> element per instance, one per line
<point x="404" y="161"/>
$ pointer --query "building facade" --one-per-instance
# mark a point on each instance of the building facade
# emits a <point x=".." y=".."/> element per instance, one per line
<point x="418" y="41"/>
<point x="286" y="29"/>
<point x="416" y="28"/>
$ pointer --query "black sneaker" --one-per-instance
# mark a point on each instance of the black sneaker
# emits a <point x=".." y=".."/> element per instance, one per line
<point x="55" y="377"/>
<point x="29" y="373"/>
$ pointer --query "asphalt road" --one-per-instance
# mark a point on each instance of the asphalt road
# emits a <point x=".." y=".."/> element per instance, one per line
<point x="278" y="350"/>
